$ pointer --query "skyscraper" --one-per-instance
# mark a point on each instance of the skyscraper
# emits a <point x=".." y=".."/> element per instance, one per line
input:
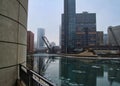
<point x="68" y="26"/>
<point x="85" y="29"/>
<point x="84" y="32"/>
<point x="40" y="34"/>
<point x="78" y="29"/>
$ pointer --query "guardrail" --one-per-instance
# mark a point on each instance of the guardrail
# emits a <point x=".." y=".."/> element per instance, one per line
<point x="31" y="78"/>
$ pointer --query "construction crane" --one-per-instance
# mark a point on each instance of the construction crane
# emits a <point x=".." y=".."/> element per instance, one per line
<point x="49" y="46"/>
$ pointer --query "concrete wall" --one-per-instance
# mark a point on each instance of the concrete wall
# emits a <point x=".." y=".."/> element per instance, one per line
<point x="13" y="34"/>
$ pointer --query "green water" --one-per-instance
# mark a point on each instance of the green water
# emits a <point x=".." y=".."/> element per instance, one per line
<point x="78" y="72"/>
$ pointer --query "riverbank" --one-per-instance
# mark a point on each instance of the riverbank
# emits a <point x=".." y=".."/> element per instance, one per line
<point x="77" y="56"/>
<point x="89" y="57"/>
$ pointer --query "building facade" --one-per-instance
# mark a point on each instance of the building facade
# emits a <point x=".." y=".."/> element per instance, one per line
<point x="30" y="42"/>
<point x="13" y="39"/>
<point x="114" y="35"/>
<point x="40" y="34"/>
<point x="68" y="26"/>
<point x="85" y="29"/>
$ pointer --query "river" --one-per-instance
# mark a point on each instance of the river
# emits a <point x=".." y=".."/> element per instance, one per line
<point x="64" y="71"/>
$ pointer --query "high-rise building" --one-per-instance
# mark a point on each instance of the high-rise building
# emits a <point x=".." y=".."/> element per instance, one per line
<point x="40" y="34"/>
<point x="113" y="35"/>
<point x="68" y="26"/>
<point x="30" y="42"/>
<point x="13" y="39"/>
<point x="85" y="29"/>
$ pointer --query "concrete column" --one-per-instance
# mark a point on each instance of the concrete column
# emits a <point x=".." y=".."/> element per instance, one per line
<point x="13" y="34"/>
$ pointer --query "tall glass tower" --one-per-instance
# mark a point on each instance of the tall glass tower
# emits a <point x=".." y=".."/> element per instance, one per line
<point x="68" y="26"/>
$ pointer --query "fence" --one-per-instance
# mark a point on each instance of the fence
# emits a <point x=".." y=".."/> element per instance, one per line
<point x="31" y="78"/>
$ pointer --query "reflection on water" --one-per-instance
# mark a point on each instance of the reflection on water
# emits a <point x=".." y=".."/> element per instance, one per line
<point x="76" y="72"/>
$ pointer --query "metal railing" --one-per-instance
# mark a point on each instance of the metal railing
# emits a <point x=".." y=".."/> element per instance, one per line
<point x="31" y="78"/>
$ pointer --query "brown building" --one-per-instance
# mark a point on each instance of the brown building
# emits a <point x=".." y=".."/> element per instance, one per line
<point x="30" y="42"/>
<point x="85" y="29"/>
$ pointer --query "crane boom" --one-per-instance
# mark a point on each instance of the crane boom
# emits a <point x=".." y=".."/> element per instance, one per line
<point x="47" y="43"/>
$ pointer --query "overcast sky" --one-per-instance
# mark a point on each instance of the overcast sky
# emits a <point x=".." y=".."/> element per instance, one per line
<point x="47" y="14"/>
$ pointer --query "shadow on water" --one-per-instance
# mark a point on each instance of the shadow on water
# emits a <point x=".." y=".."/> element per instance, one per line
<point x="76" y="72"/>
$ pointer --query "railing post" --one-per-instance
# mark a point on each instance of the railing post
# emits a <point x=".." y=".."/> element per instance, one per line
<point x="30" y="78"/>
<point x="19" y="71"/>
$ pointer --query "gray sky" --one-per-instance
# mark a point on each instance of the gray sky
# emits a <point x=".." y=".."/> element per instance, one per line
<point x="47" y="14"/>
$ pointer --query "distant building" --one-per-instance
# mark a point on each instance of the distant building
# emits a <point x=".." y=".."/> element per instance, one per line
<point x="105" y="39"/>
<point x="114" y="35"/>
<point x="52" y="44"/>
<point x="30" y="42"/>
<point x="40" y="42"/>
<point x="85" y="29"/>
<point x="99" y="39"/>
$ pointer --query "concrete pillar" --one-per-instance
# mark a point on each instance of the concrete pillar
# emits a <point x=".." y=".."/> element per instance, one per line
<point x="13" y="34"/>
